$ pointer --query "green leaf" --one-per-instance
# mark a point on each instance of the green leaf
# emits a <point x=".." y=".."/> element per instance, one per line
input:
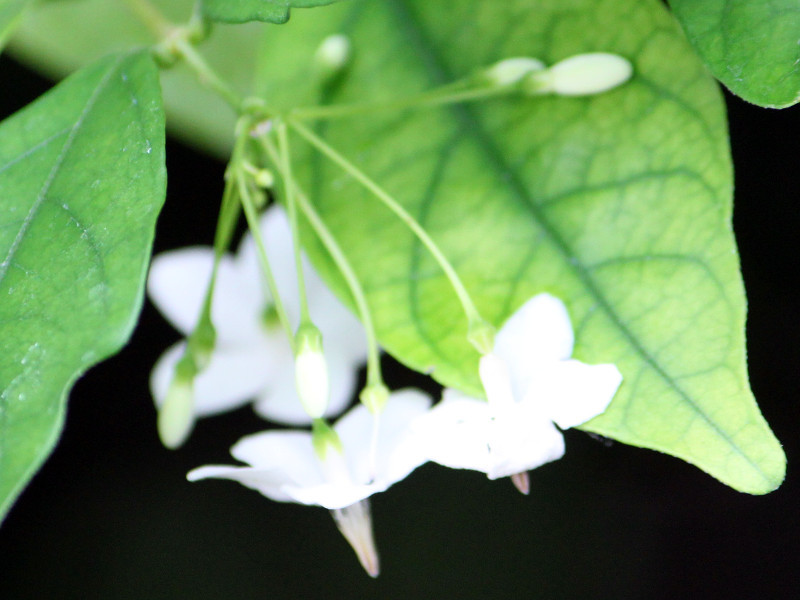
<point x="242" y="11"/>
<point x="10" y="12"/>
<point x="82" y="180"/>
<point x="752" y="46"/>
<point x="620" y="204"/>
<point x="98" y="27"/>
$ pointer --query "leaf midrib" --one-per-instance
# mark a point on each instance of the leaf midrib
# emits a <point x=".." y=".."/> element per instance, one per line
<point x="4" y="266"/>
<point x="90" y="102"/>
<point x="414" y="30"/>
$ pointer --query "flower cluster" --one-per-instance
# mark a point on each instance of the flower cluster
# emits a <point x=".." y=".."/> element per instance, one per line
<point x="533" y="388"/>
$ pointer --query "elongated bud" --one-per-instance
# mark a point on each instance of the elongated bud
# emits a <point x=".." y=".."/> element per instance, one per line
<point x="512" y="70"/>
<point x="581" y="75"/>
<point x="332" y="55"/>
<point x="176" y="414"/>
<point x="311" y="371"/>
<point x="374" y="397"/>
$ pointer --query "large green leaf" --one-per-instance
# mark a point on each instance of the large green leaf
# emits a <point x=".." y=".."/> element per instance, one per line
<point x="620" y="204"/>
<point x="752" y="46"/>
<point x="98" y="27"/>
<point x="10" y="12"/>
<point x="82" y="180"/>
<point x="242" y="11"/>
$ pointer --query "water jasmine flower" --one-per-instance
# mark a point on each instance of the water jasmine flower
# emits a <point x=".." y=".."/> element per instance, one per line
<point x="252" y="359"/>
<point x="532" y="384"/>
<point x="337" y="468"/>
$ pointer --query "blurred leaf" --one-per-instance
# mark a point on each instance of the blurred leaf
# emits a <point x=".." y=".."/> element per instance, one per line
<point x="620" y="204"/>
<point x="10" y="12"/>
<point x="98" y="27"/>
<point x="241" y="11"/>
<point x="82" y="180"/>
<point x="752" y="46"/>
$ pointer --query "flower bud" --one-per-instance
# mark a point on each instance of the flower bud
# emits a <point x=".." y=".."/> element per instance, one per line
<point x="512" y="70"/>
<point x="176" y="414"/>
<point x="311" y="371"/>
<point x="332" y="55"/>
<point x="581" y="75"/>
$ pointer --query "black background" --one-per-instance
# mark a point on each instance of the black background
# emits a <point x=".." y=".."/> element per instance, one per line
<point x="111" y="516"/>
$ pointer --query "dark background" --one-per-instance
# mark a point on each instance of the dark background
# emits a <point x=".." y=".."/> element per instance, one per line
<point x="111" y="516"/>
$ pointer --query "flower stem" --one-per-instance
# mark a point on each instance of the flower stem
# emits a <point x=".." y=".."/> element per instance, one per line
<point x="151" y="17"/>
<point x="473" y="316"/>
<point x="206" y="74"/>
<point x="450" y="94"/>
<point x="374" y="376"/>
<point x="291" y="206"/>
<point x="237" y="171"/>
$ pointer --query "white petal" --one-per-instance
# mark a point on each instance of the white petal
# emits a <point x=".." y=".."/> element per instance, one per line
<point x="333" y="496"/>
<point x="396" y="453"/>
<point x="455" y="433"/>
<point x="177" y="285"/>
<point x="268" y="483"/>
<point x="231" y="379"/>
<point x="571" y="392"/>
<point x="275" y="232"/>
<point x="496" y="381"/>
<point x="539" y="331"/>
<point x="522" y="440"/>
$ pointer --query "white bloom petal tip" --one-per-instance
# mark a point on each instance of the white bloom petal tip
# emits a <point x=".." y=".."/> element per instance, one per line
<point x="355" y="524"/>
<point x="333" y="54"/>
<point x="512" y="70"/>
<point x="582" y="75"/>
<point x="311" y="372"/>
<point x="522" y="481"/>
<point x="176" y="414"/>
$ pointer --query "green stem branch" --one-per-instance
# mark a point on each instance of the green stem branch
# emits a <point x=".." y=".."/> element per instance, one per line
<point x="374" y="376"/>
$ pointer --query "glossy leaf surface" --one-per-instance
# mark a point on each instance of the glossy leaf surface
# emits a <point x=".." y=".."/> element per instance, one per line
<point x="82" y="180"/>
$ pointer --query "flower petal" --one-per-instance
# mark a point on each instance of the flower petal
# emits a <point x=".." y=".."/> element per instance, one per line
<point x="455" y="433"/>
<point x="571" y="392"/>
<point x="277" y="237"/>
<point x="522" y="439"/>
<point x="231" y="379"/>
<point x="177" y="285"/>
<point x="396" y="453"/>
<point x="268" y="483"/>
<point x="539" y="331"/>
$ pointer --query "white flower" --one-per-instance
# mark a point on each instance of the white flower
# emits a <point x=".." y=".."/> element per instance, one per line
<point x="285" y="467"/>
<point x="252" y="359"/>
<point x="531" y="384"/>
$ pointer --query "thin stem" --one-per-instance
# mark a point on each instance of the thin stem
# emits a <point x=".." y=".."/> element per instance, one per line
<point x="433" y="98"/>
<point x="252" y="223"/>
<point x="473" y="316"/>
<point x="283" y="141"/>
<point x="206" y="74"/>
<point x="151" y="17"/>
<point x="374" y="376"/>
